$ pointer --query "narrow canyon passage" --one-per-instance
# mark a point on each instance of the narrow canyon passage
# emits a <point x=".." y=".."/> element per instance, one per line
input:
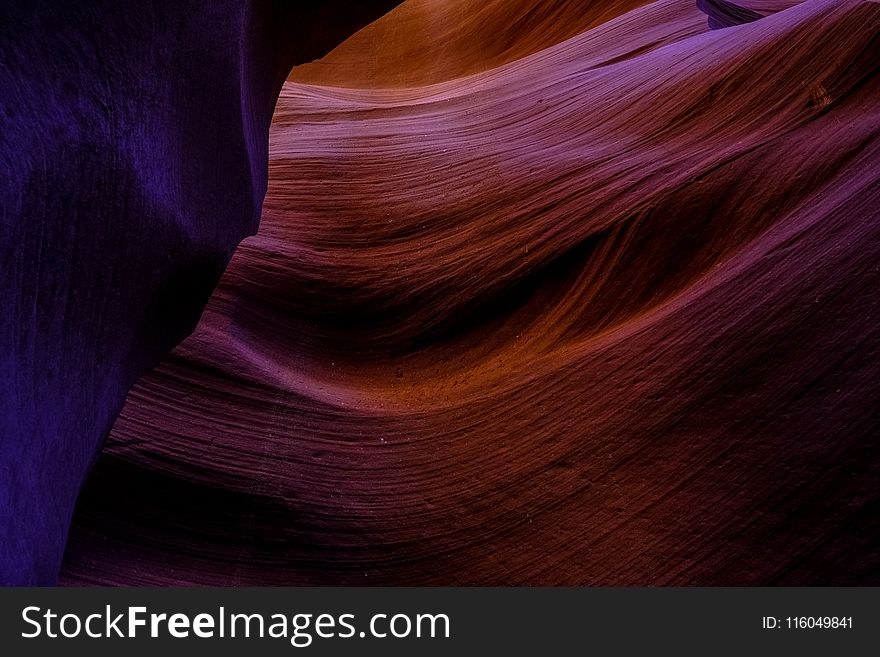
<point x="591" y="300"/>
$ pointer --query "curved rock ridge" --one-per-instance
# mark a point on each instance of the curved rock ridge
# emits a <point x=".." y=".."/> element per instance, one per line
<point x="602" y="314"/>
<point x="428" y="41"/>
<point x="133" y="159"/>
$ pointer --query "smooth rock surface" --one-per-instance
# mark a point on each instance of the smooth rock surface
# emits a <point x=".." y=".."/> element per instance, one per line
<point x="602" y="313"/>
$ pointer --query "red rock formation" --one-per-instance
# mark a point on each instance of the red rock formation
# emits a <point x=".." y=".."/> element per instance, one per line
<point x="426" y="41"/>
<point x="605" y="314"/>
